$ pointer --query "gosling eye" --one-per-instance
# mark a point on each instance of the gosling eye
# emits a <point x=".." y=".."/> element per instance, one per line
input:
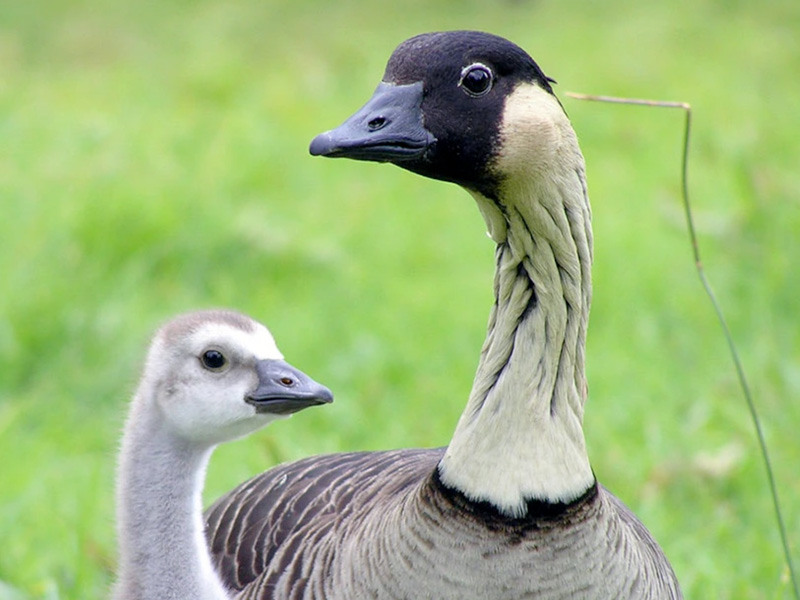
<point x="476" y="80"/>
<point x="213" y="360"/>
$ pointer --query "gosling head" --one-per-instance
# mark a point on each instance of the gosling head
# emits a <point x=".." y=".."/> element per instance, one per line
<point x="214" y="376"/>
<point x="461" y="106"/>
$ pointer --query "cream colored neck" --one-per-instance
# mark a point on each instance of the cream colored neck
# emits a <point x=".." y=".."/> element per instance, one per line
<point x="520" y="437"/>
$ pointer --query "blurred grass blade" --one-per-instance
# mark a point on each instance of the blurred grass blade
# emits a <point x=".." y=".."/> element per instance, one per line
<point x="717" y="309"/>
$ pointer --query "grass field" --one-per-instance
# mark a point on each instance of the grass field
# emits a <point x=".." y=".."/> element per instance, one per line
<point x="153" y="159"/>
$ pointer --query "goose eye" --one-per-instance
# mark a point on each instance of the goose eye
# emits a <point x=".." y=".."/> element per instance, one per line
<point x="476" y="80"/>
<point x="213" y="360"/>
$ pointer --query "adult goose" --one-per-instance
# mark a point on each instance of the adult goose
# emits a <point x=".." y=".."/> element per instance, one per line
<point x="210" y="377"/>
<point x="511" y="508"/>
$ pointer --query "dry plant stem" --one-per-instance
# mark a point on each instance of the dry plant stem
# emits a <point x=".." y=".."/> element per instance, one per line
<point x="717" y="309"/>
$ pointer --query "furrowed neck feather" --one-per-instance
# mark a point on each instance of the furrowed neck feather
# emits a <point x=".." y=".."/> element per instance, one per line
<point x="520" y="436"/>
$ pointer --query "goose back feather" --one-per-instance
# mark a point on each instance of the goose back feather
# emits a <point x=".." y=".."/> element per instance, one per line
<point x="382" y="525"/>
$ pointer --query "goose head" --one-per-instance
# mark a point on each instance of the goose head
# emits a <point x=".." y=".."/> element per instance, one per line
<point x="461" y="106"/>
<point x="214" y="376"/>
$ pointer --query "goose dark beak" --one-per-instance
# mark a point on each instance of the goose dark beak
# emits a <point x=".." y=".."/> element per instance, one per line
<point x="283" y="389"/>
<point x="388" y="128"/>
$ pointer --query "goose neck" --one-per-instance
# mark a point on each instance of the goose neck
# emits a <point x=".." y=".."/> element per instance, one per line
<point x="520" y="437"/>
<point x="163" y="552"/>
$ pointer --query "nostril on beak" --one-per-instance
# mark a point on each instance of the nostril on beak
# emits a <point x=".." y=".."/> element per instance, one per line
<point x="377" y="123"/>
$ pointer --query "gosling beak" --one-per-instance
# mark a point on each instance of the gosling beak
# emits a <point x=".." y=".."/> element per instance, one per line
<point x="388" y="128"/>
<point x="283" y="390"/>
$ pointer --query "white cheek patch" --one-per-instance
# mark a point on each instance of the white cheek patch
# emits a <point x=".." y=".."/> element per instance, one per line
<point x="211" y="418"/>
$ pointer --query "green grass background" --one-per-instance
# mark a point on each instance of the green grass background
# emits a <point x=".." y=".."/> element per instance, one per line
<point x="153" y="159"/>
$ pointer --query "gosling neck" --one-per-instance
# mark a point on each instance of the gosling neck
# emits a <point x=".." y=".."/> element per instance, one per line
<point x="163" y="552"/>
<point x="520" y="438"/>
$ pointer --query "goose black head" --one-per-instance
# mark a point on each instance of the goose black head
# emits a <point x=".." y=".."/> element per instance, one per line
<point x="439" y="109"/>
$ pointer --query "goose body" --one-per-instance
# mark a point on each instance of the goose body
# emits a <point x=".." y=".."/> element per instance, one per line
<point x="382" y="525"/>
<point x="210" y="377"/>
<point x="511" y="508"/>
